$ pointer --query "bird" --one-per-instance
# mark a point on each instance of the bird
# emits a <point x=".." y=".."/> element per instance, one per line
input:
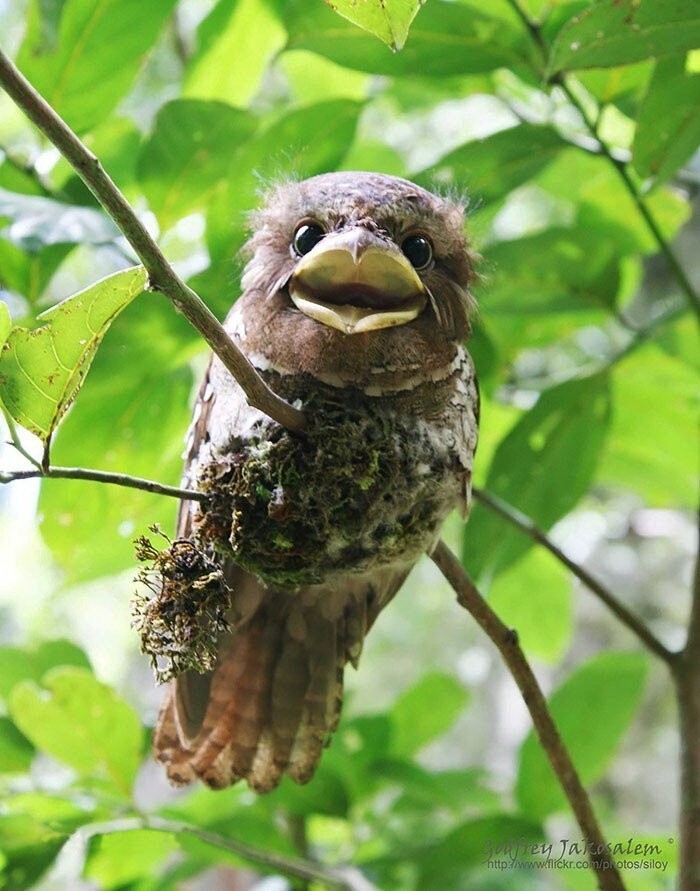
<point x="355" y="305"/>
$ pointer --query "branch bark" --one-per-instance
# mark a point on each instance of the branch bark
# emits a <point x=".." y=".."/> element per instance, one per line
<point x="162" y="277"/>
<point x="506" y="641"/>
<point x="513" y="516"/>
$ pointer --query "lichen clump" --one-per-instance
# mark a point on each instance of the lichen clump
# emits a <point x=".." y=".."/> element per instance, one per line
<point x="182" y="611"/>
<point x="357" y="489"/>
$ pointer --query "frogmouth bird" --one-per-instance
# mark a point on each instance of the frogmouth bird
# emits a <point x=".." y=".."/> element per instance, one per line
<point x="355" y="306"/>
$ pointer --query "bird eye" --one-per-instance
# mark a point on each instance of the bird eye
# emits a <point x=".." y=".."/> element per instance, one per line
<point x="418" y="250"/>
<point x="306" y="237"/>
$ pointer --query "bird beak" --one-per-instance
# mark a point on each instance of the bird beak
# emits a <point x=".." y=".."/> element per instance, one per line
<point x="356" y="282"/>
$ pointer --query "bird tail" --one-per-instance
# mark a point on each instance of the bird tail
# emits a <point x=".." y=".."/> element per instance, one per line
<point x="273" y="700"/>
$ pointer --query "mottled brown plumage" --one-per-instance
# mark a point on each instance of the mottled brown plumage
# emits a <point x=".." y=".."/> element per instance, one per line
<point x="349" y="322"/>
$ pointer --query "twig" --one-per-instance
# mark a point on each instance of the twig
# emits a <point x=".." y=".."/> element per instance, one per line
<point x="506" y="641"/>
<point x="344" y="878"/>
<point x="162" y="277"/>
<point x="687" y="676"/>
<point x="560" y="80"/>
<point x="523" y="523"/>
<point x="102" y="476"/>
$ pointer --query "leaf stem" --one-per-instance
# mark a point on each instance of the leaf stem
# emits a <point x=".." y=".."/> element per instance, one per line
<point x="162" y="277"/>
<point x="525" y="525"/>
<point x="101" y="476"/>
<point x="506" y="641"/>
<point x="620" y="166"/>
<point x="343" y="878"/>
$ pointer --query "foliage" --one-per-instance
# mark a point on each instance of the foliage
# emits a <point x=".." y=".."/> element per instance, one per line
<point x="588" y="379"/>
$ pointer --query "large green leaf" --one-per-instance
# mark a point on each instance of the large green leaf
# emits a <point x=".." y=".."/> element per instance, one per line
<point x="491" y="167"/>
<point x="389" y="20"/>
<point x="131" y="417"/>
<point x="42" y="370"/>
<point x="425" y="712"/>
<point x="16" y="752"/>
<point x="668" y="126"/>
<point x="189" y="154"/>
<point x="120" y="858"/>
<point x="592" y="709"/>
<point x="447" y="38"/>
<point x="534" y="597"/>
<point x="28" y="269"/>
<point x="617" y="32"/>
<point x="99" y="51"/>
<point x="83" y="723"/>
<point x="5" y="322"/>
<point x="235" y="44"/>
<point x="543" y="467"/>
<point x="651" y="448"/>
<point x="19" y="665"/>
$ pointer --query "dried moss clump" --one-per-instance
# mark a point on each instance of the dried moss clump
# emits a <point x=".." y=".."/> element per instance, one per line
<point x="358" y="488"/>
<point x="182" y="613"/>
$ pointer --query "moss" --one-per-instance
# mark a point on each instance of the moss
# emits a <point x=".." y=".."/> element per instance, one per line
<point x="180" y="611"/>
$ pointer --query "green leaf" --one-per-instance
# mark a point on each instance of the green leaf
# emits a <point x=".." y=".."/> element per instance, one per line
<point x="16" y="752"/>
<point x="236" y="42"/>
<point x="42" y="370"/>
<point x="543" y="467"/>
<point x="131" y="418"/>
<point x="83" y="723"/>
<point x="534" y="597"/>
<point x="491" y="167"/>
<point x="38" y="221"/>
<point x="425" y="712"/>
<point x="19" y="665"/>
<point x="447" y="38"/>
<point x="100" y="49"/>
<point x="120" y="858"/>
<point x="668" y="125"/>
<point x="189" y="154"/>
<point x="467" y="848"/>
<point x="592" y="709"/>
<point x="5" y="322"/>
<point x="611" y="33"/>
<point x="389" y="20"/>
<point x="653" y="391"/>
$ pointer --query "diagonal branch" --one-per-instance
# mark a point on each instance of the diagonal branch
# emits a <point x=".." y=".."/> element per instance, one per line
<point x="621" y="168"/>
<point x="162" y="277"/>
<point x="525" y="525"/>
<point x="506" y="641"/>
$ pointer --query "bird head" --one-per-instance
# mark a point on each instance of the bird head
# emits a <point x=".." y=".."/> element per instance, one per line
<point x="350" y="269"/>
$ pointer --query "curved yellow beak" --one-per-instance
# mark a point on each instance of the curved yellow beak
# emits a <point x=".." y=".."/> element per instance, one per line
<point x="356" y="282"/>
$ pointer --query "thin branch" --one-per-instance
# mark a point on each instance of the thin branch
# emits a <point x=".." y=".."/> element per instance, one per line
<point x="343" y="878"/>
<point x="622" y="169"/>
<point x="525" y="525"/>
<point x="102" y="476"/>
<point x="506" y="641"/>
<point x="162" y="277"/>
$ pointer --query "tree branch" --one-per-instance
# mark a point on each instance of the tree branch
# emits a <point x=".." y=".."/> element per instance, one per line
<point x="525" y="525"/>
<point x="343" y="878"/>
<point x="162" y="277"/>
<point x="102" y="476"/>
<point x="622" y="169"/>
<point x="506" y="641"/>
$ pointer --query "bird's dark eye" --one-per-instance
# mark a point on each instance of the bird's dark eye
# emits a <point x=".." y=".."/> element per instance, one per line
<point x="306" y="237"/>
<point x="418" y="250"/>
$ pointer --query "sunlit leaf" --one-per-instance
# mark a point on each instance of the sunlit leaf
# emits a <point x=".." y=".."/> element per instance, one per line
<point x="668" y="128"/>
<point x="5" y="322"/>
<point x="389" y="20"/>
<point x="235" y="44"/>
<point x="615" y="33"/>
<point x="82" y="722"/>
<point x="446" y="38"/>
<point x="94" y="61"/>
<point x="42" y="370"/>
<point x="425" y="711"/>
<point x="543" y="467"/>
<point x="16" y="752"/>
<point x="17" y="664"/>
<point x="189" y="154"/>
<point x="592" y="709"/>
<point x="119" y="858"/>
